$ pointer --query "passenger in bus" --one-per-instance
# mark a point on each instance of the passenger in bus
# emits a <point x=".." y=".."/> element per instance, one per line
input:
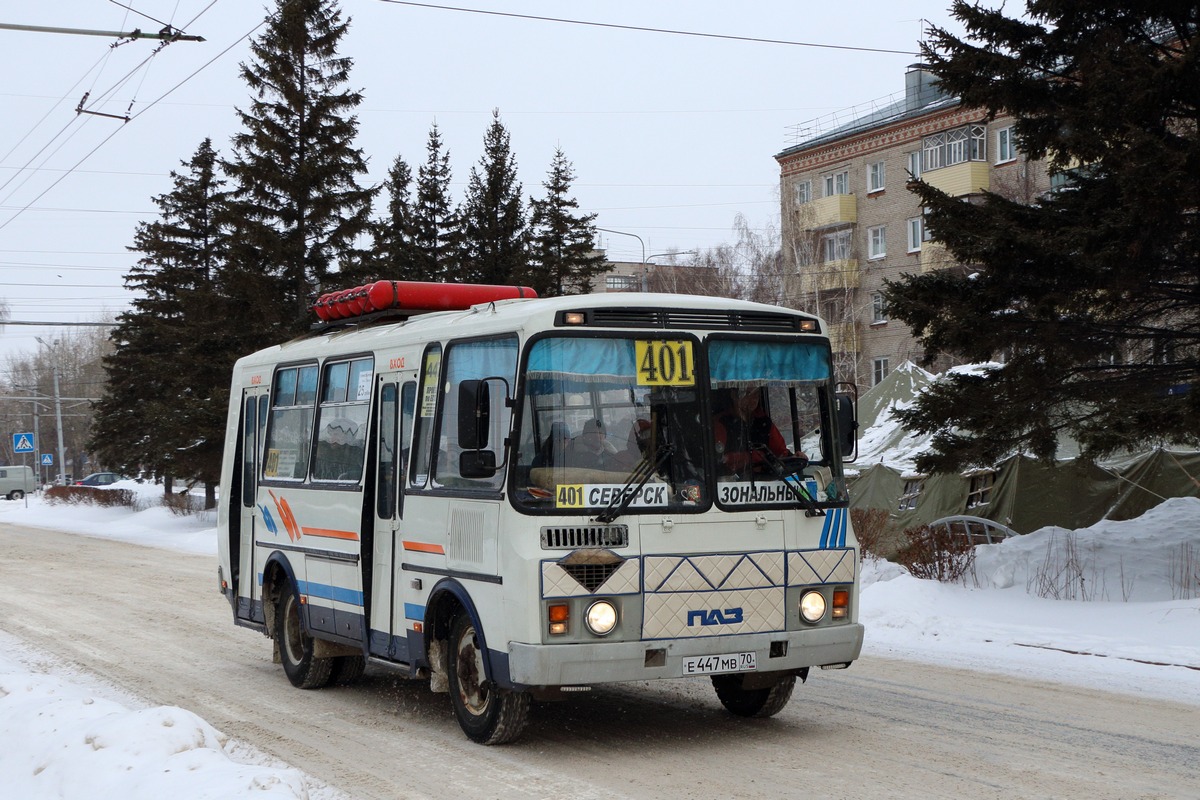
<point x="744" y="435"/>
<point x="554" y="449"/>
<point x="591" y="449"/>
<point x="636" y="444"/>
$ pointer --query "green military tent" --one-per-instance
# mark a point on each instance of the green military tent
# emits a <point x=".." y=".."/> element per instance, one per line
<point x="1019" y="492"/>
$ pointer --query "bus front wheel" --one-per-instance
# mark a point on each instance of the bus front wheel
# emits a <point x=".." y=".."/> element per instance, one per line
<point x="765" y="702"/>
<point x="304" y="670"/>
<point x="487" y="714"/>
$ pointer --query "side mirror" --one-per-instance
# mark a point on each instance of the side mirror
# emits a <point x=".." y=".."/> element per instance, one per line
<point x="477" y="464"/>
<point x="846" y="411"/>
<point x="474" y="412"/>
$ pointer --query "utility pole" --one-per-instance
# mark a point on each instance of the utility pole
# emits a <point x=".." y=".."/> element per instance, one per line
<point x="62" y="461"/>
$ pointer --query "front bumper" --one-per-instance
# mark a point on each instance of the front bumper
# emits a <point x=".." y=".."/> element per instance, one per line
<point x="609" y="662"/>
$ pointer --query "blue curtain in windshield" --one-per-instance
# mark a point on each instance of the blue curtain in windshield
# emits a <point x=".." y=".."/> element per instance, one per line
<point x="732" y="363"/>
<point x="586" y="360"/>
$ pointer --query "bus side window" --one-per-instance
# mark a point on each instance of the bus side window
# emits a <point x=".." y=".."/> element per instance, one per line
<point x="423" y="424"/>
<point x="289" y="435"/>
<point x="475" y="360"/>
<point x="385" y="490"/>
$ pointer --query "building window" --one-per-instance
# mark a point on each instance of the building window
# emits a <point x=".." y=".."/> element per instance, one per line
<point x="620" y="283"/>
<point x="837" y="183"/>
<point x="837" y="246"/>
<point x="980" y="493"/>
<point x="876" y="174"/>
<point x="914" y="164"/>
<point x="954" y="147"/>
<point x="878" y="314"/>
<point x="803" y="192"/>
<point x="912" y="494"/>
<point x="880" y="370"/>
<point x="1006" y="149"/>
<point x="877" y="241"/>
<point x="916" y="233"/>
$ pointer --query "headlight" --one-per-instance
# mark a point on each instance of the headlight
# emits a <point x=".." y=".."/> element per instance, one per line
<point x="601" y="617"/>
<point x="812" y="606"/>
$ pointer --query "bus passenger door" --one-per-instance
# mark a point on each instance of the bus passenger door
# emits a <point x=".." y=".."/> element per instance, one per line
<point x="397" y="398"/>
<point x="243" y="569"/>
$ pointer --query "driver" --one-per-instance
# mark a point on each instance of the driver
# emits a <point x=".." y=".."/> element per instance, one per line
<point x="744" y="433"/>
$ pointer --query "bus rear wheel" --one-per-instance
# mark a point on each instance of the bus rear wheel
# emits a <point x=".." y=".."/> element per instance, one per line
<point x="487" y="714"/>
<point x="16" y="494"/>
<point x="304" y="670"/>
<point x="765" y="702"/>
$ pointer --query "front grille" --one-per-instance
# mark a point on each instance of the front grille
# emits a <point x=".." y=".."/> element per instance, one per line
<point x="696" y="319"/>
<point x="571" y="537"/>
<point x="591" y="576"/>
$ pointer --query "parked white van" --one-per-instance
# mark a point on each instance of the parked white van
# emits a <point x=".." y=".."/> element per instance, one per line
<point x="16" y="482"/>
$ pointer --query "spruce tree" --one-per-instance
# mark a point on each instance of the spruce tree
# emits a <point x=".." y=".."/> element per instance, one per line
<point x="494" y="232"/>
<point x="1092" y="295"/>
<point x="394" y="252"/>
<point x="436" y="226"/>
<point x="296" y="203"/>
<point x="563" y="256"/>
<point x="167" y="384"/>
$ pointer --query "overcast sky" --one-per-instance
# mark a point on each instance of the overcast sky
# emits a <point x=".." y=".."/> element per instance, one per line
<point x="671" y="136"/>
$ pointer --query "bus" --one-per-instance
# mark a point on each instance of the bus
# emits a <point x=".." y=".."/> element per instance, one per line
<point x="518" y="498"/>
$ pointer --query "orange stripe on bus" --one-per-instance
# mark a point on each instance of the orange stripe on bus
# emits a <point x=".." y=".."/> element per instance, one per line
<point x="330" y="534"/>
<point x="422" y="547"/>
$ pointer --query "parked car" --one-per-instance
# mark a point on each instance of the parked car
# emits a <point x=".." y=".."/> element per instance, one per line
<point x="100" y="479"/>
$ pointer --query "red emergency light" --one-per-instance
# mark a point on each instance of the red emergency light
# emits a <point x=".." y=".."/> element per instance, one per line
<point x="411" y="297"/>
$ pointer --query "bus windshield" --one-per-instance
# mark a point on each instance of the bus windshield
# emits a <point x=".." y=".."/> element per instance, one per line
<point x="628" y="423"/>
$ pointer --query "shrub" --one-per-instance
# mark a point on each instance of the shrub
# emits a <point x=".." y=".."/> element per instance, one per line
<point x="873" y="528"/>
<point x="938" y="554"/>
<point x="182" y="504"/>
<point x="90" y="495"/>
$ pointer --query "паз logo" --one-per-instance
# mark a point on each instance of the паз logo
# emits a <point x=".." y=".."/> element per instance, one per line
<point x="714" y="616"/>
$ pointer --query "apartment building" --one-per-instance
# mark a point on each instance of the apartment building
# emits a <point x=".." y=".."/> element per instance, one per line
<point x="849" y="223"/>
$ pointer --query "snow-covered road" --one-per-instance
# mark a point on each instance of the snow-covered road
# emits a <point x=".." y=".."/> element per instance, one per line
<point x="151" y="621"/>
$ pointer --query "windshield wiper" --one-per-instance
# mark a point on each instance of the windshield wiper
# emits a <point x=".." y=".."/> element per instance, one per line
<point x="642" y="472"/>
<point x="783" y="473"/>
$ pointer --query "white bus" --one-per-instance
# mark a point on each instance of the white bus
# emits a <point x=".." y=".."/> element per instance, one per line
<point x="521" y="498"/>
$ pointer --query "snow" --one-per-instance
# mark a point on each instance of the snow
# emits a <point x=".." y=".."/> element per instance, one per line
<point x="1126" y="619"/>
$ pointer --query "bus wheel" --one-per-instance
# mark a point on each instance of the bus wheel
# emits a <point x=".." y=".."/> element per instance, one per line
<point x="487" y="715"/>
<point x="765" y="702"/>
<point x="296" y="646"/>
<point x="347" y="670"/>
<point x="16" y="494"/>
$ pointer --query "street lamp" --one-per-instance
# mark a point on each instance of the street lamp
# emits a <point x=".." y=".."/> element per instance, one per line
<point x="648" y="259"/>
<point x="643" y="244"/>
<point x="62" y="461"/>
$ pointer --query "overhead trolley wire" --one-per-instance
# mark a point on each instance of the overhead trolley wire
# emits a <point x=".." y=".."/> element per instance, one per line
<point x="729" y="37"/>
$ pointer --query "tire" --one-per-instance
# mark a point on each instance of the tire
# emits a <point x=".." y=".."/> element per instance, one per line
<point x="296" y="646"/>
<point x="16" y="494"/>
<point x="487" y="714"/>
<point x="753" y="702"/>
<point x="347" y="670"/>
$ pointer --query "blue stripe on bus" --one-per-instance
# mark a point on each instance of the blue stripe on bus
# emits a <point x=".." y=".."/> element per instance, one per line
<point x="825" y="532"/>
<point x="414" y="611"/>
<point x="336" y="593"/>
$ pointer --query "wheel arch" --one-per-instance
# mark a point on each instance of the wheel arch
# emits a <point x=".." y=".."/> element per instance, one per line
<point x="447" y="599"/>
<point x="277" y="574"/>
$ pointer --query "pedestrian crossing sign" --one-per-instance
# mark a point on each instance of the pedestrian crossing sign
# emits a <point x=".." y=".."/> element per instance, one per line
<point x="22" y="442"/>
<point x="47" y="459"/>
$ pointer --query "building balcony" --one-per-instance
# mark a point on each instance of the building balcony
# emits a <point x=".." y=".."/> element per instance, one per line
<point x="969" y="177"/>
<point x="829" y="275"/>
<point x="935" y="256"/>
<point x="838" y="209"/>
<point x="843" y="337"/>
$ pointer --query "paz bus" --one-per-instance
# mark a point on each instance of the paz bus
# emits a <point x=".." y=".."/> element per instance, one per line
<point x="519" y="498"/>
